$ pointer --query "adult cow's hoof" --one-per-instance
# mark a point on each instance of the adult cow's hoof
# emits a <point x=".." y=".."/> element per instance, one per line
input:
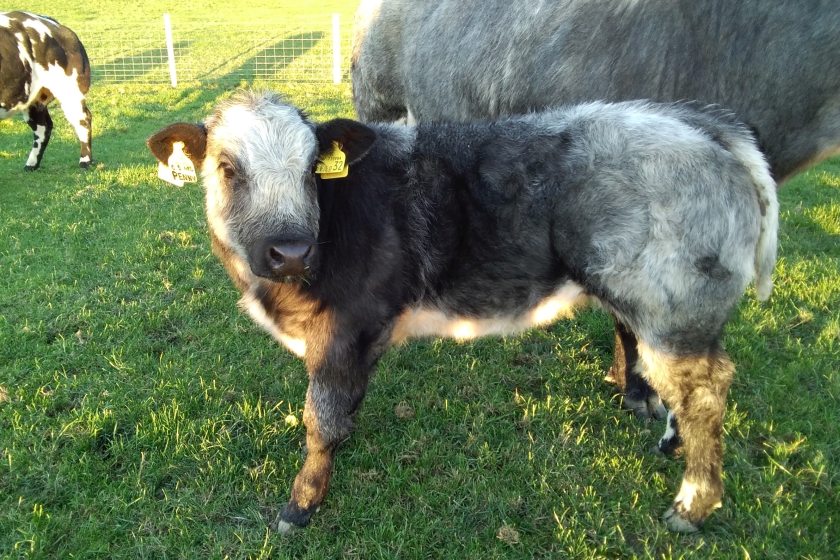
<point x="677" y="523"/>
<point x="645" y="406"/>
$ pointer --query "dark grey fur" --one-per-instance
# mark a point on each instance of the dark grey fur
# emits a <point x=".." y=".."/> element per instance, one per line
<point x="773" y="62"/>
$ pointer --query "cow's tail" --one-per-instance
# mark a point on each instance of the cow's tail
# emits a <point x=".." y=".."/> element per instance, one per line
<point x="765" y="189"/>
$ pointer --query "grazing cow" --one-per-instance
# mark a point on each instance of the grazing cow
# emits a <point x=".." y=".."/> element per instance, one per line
<point x="41" y="60"/>
<point x="661" y="213"/>
<point x="773" y="63"/>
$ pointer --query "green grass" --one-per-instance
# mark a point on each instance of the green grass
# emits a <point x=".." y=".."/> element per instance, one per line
<point x="143" y="416"/>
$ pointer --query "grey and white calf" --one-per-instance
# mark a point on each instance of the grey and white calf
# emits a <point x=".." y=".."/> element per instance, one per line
<point x="41" y="60"/>
<point x="661" y="213"/>
<point x="773" y="63"/>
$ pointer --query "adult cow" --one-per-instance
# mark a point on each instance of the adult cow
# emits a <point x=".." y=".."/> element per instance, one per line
<point x="41" y="60"/>
<point x="661" y="213"/>
<point x="775" y="63"/>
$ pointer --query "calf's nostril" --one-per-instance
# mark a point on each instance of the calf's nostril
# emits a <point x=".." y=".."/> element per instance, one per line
<point x="276" y="256"/>
<point x="288" y="258"/>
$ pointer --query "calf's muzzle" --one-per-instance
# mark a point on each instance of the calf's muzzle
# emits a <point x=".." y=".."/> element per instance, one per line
<point x="283" y="259"/>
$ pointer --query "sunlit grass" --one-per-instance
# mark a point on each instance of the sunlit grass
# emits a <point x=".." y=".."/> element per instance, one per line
<point x="142" y="415"/>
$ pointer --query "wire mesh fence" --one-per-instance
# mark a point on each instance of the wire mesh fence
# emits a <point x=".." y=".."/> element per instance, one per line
<point x="294" y="50"/>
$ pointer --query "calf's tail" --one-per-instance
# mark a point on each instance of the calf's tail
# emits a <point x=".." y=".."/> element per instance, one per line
<point x="765" y="189"/>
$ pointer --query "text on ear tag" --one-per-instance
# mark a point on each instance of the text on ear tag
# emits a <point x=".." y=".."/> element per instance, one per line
<point x="333" y="164"/>
<point x="166" y="174"/>
<point x="181" y="165"/>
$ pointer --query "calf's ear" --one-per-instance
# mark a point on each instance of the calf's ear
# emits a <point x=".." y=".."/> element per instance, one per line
<point x="193" y="136"/>
<point x="354" y="137"/>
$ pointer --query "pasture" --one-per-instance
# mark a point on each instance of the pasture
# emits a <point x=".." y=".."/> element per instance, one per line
<point x="143" y="416"/>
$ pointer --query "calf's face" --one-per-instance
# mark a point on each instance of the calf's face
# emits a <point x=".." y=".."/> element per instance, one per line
<point x="257" y="157"/>
<point x="261" y="197"/>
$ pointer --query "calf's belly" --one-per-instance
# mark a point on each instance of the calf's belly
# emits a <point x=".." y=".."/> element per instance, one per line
<point x="429" y="321"/>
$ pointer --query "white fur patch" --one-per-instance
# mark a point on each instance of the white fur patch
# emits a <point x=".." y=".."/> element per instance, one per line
<point x="670" y="432"/>
<point x="40" y="134"/>
<point x="688" y="490"/>
<point x="429" y="322"/>
<point x="38" y="25"/>
<point x="252" y="305"/>
<point x="275" y="149"/>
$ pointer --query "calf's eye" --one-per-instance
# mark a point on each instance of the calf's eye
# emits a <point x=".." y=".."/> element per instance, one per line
<point x="227" y="169"/>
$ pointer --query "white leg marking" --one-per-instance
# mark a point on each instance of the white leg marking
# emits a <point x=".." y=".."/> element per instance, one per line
<point x="670" y="430"/>
<point x="40" y="134"/>
<point x="686" y="495"/>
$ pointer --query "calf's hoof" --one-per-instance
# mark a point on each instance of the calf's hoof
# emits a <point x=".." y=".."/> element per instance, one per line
<point x="30" y="167"/>
<point x="693" y="504"/>
<point x="84" y="164"/>
<point x="645" y="406"/>
<point x="677" y="523"/>
<point x="292" y="517"/>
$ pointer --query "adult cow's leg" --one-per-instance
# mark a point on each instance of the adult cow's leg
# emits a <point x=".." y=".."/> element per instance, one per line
<point x="80" y="118"/>
<point x="625" y="372"/>
<point x="696" y="386"/>
<point x="41" y="124"/>
<point x="337" y="387"/>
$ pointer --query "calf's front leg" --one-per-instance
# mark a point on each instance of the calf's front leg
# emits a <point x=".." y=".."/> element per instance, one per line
<point x="336" y="389"/>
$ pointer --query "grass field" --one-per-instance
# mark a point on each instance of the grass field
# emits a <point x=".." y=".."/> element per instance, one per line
<point x="143" y="416"/>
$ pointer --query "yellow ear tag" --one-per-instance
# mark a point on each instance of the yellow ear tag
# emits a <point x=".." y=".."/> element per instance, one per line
<point x="333" y="164"/>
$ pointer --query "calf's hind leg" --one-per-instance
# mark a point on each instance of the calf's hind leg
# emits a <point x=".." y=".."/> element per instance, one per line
<point x="637" y="395"/>
<point x="695" y="386"/>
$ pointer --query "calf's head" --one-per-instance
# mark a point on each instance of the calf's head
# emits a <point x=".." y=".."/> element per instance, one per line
<point x="257" y="157"/>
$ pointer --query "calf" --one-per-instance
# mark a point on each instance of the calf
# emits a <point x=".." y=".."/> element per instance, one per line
<point x="660" y="213"/>
<point x="770" y="62"/>
<point x="41" y="60"/>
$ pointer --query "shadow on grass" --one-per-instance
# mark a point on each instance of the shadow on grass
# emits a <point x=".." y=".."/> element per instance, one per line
<point x="131" y="67"/>
<point x="267" y="63"/>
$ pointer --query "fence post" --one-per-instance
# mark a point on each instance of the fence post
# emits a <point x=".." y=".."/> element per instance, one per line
<point x="336" y="47"/>
<point x="170" y="50"/>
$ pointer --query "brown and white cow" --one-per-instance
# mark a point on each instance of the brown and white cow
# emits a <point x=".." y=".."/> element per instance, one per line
<point x="41" y="60"/>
